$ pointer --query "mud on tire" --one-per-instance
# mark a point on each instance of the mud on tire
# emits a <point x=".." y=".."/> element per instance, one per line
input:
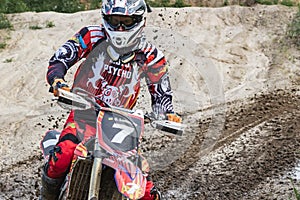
<point x="108" y="188"/>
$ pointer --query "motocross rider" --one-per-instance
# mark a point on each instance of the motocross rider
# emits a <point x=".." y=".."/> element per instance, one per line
<point x="130" y="57"/>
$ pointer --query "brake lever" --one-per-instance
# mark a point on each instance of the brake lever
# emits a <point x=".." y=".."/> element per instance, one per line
<point x="148" y="117"/>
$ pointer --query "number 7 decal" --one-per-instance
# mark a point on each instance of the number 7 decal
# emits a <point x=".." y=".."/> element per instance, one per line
<point x="125" y="131"/>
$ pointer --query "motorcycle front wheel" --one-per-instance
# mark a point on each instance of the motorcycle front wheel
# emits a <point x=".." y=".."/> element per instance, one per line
<point x="79" y="184"/>
<point x="108" y="188"/>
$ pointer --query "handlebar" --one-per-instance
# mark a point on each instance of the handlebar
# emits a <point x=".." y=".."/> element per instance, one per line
<point x="82" y="100"/>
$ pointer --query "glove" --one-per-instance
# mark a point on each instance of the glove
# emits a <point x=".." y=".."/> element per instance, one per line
<point x="59" y="83"/>
<point x="174" y="117"/>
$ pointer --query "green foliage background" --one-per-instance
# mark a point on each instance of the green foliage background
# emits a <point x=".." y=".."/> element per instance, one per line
<point x="166" y="3"/>
<point x="294" y="29"/>
<point x="65" y="6"/>
<point x="68" y="6"/>
<point x="71" y="6"/>
<point x="4" y="23"/>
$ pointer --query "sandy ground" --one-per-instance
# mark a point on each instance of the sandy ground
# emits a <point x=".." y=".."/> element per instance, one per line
<point x="235" y="81"/>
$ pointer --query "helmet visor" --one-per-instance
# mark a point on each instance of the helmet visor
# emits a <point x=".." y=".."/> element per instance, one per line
<point x="127" y="22"/>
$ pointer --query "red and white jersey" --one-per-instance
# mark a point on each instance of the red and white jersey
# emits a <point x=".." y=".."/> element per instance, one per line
<point x="113" y="81"/>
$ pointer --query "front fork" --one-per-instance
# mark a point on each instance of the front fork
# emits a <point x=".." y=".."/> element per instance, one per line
<point x="95" y="174"/>
<point x="95" y="179"/>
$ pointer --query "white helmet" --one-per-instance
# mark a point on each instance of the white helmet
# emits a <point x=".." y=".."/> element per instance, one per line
<point x="123" y="22"/>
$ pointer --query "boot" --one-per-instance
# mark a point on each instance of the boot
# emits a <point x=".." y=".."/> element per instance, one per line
<point x="155" y="193"/>
<point x="151" y="192"/>
<point x="50" y="187"/>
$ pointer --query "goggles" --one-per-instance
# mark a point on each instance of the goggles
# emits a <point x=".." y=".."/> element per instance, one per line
<point x="127" y="22"/>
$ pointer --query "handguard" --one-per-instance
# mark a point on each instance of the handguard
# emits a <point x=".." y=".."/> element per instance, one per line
<point x="73" y="100"/>
<point x="169" y="126"/>
<point x="159" y="122"/>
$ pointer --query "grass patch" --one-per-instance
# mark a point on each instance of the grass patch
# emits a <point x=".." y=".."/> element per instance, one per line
<point x="4" y="22"/>
<point x="226" y="3"/>
<point x="35" y="27"/>
<point x="2" y="45"/>
<point x="8" y="60"/>
<point x="180" y="4"/>
<point x="294" y="29"/>
<point x="267" y="2"/>
<point x="296" y="192"/>
<point x="50" y="24"/>
<point x="288" y="3"/>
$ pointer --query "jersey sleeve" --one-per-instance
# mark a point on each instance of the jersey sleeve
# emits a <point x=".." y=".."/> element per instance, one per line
<point x="76" y="48"/>
<point x="157" y="79"/>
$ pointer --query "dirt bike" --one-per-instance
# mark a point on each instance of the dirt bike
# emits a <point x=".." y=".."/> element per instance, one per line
<point x="107" y="163"/>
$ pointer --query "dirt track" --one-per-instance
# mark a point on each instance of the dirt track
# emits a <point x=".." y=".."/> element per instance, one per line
<point x="259" y="142"/>
<point x="253" y="158"/>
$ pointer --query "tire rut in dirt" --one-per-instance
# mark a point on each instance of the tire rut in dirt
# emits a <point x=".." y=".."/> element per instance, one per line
<point x="274" y="153"/>
<point x="262" y="157"/>
<point x="22" y="180"/>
